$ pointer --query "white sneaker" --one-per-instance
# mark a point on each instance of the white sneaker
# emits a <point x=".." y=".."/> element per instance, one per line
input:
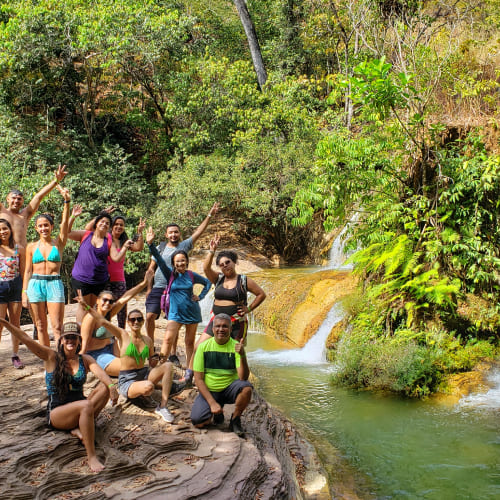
<point x="165" y="414"/>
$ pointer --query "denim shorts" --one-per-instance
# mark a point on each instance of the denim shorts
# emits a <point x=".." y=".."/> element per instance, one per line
<point x="45" y="288"/>
<point x="103" y="356"/>
<point x="153" y="301"/>
<point x="11" y="291"/>
<point x="127" y="377"/>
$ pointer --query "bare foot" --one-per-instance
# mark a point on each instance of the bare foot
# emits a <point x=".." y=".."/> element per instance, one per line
<point x="76" y="432"/>
<point x="95" y="465"/>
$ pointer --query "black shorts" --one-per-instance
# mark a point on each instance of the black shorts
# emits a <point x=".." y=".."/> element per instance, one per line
<point x="11" y="291"/>
<point x="54" y="401"/>
<point x="88" y="288"/>
<point x="200" y="412"/>
<point x="153" y="301"/>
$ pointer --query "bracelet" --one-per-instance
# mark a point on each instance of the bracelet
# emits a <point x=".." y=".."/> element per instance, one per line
<point x="67" y="201"/>
<point x="87" y="307"/>
<point x="111" y="385"/>
<point x="209" y="215"/>
<point x="212" y="252"/>
<point x="25" y="291"/>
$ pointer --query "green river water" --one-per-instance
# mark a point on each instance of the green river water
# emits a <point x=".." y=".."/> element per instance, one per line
<point x="392" y="447"/>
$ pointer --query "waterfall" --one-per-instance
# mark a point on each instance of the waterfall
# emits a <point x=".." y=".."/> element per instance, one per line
<point x="338" y="255"/>
<point x="313" y="353"/>
<point x="485" y="400"/>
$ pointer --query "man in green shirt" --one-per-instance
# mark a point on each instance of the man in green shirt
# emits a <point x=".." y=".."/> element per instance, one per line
<point x="221" y="375"/>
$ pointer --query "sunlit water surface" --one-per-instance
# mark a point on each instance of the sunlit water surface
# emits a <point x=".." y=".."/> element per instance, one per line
<point x="401" y="448"/>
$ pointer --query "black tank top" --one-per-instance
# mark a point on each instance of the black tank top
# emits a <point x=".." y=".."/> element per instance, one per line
<point x="236" y="294"/>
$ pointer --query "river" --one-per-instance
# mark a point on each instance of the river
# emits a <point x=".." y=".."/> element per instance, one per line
<point x="397" y="448"/>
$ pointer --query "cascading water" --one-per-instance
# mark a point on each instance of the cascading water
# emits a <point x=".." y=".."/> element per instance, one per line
<point x="338" y="255"/>
<point x="485" y="400"/>
<point x="313" y="353"/>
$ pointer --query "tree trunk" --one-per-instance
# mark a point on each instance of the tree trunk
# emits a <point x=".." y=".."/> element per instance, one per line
<point x="253" y="42"/>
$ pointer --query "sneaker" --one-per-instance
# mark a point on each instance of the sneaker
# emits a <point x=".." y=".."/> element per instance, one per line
<point x="175" y="360"/>
<point x="177" y="387"/>
<point x="18" y="364"/>
<point x="165" y="414"/>
<point x="218" y="418"/>
<point x="235" y="426"/>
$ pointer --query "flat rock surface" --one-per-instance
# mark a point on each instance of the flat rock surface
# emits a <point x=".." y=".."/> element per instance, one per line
<point x="144" y="456"/>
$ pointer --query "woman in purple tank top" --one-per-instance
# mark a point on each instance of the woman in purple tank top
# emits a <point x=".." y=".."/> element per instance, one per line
<point x="90" y="271"/>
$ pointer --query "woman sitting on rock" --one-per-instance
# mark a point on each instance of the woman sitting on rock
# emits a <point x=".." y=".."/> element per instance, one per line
<point x="184" y="307"/>
<point x="65" y="374"/>
<point x="43" y="287"/>
<point x="135" y="379"/>
<point x="98" y="341"/>
<point x="230" y="294"/>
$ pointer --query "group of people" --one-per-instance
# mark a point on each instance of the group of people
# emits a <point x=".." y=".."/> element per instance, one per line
<point x="30" y="277"/>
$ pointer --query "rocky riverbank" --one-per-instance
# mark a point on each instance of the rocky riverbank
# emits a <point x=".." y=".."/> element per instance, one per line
<point x="144" y="456"/>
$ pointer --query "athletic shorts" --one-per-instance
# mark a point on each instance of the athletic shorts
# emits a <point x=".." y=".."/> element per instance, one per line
<point x="45" y="288"/>
<point x="127" y="377"/>
<point x="200" y="411"/>
<point x="103" y="356"/>
<point x="119" y="288"/>
<point x="88" y="288"/>
<point x="153" y="301"/>
<point x="11" y="291"/>
<point x="54" y="401"/>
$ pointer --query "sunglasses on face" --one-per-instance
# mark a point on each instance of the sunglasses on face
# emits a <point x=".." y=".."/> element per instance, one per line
<point x="71" y="337"/>
<point x="136" y="319"/>
<point x="111" y="301"/>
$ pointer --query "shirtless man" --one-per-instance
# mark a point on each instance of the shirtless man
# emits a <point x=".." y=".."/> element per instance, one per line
<point x="174" y="242"/>
<point x="18" y="218"/>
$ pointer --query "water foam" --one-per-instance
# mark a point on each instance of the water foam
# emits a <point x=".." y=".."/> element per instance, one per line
<point x="313" y="353"/>
<point x="486" y="400"/>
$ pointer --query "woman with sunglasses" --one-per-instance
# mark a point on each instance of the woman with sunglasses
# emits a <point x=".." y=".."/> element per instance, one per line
<point x="12" y="260"/>
<point x="98" y="341"/>
<point x="90" y="271"/>
<point x="43" y="288"/>
<point x="230" y="294"/>
<point x="136" y="381"/>
<point x="184" y="304"/>
<point x="65" y="375"/>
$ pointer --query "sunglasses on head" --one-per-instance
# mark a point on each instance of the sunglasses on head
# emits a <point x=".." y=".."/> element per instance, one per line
<point x="138" y="319"/>
<point x="70" y="336"/>
<point x="105" y="299"/>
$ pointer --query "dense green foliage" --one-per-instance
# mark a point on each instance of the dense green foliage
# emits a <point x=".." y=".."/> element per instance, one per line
<point x="372" y="110"/>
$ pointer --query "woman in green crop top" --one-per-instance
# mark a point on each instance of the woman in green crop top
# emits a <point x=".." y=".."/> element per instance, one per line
<point x="43" y="289"/>
<point x="136" y="379"/>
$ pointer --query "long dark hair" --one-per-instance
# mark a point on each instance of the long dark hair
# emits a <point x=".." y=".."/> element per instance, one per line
<point x="123" y="237"/>
<point x="61" y="378"/>
<point x="11" y="237"/>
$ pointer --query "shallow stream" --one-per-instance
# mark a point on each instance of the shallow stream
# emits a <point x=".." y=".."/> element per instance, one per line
<point x="387" y="447"/>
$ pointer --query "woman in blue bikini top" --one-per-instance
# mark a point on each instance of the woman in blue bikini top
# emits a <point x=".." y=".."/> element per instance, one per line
<point x="42" y="284"/>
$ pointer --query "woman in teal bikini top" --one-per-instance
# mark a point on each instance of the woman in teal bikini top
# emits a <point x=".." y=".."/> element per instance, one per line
<point x="43" y="288"/>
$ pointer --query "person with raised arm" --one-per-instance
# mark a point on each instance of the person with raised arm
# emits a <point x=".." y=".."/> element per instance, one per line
<point x="135" y="380"/>
<point x="98" y="341"/>
<point x="173" y="243"/>
<point x="65" y="375"/>
<point x="221" y="374"/>
<point x="43" y="288"/>
<point x="230" y="294"/>
<point x="18" y="216"/>
<point x="90" y="271"/>
<point x="184" y="308"/>
<point x="12" y="260"/>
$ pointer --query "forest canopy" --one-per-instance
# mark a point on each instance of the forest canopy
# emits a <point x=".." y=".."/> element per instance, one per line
<point x="382" y="112"/>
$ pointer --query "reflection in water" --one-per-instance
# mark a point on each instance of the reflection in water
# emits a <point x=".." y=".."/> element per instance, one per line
<point x="409" y="449"/>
